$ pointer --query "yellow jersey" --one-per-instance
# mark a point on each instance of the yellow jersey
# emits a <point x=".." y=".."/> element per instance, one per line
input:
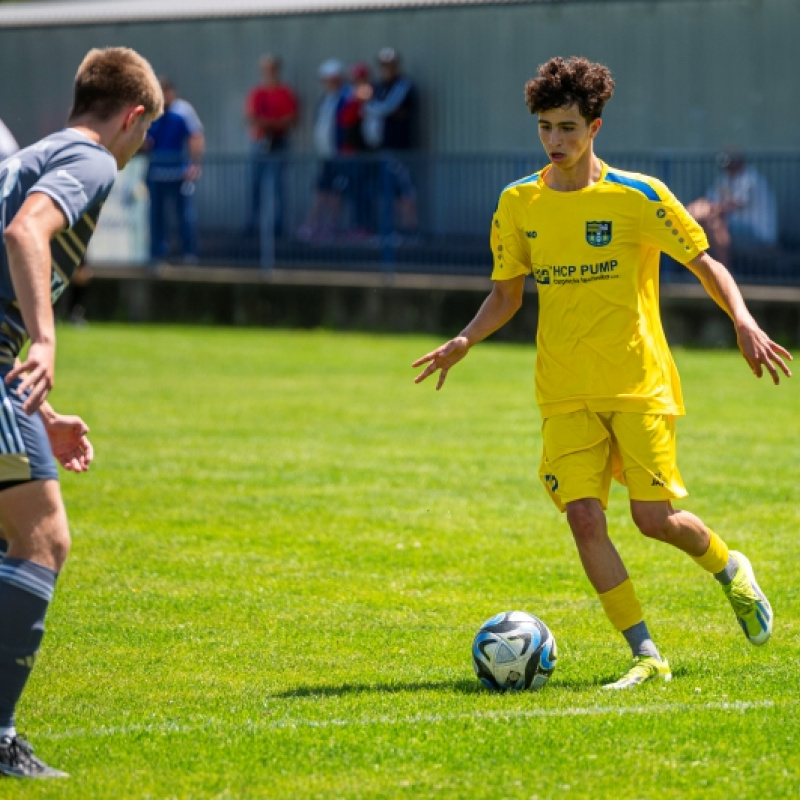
<point x="594" y="254"/>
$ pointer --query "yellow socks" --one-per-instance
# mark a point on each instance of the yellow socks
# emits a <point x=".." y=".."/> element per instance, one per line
<point x="622" y="606"/>
<point x="715" y="559"/>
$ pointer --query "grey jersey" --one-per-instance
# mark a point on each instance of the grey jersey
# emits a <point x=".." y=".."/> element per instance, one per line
<point x="77" y="174"/>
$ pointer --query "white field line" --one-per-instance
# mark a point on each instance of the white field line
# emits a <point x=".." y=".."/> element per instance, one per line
<point x="416" y="719"/>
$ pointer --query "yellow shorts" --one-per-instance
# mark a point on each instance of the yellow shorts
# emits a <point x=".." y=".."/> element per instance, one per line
<point x="583" y="450"/>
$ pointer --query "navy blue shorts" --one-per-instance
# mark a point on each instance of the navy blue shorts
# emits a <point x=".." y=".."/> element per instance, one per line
<point x="25" y="453"/>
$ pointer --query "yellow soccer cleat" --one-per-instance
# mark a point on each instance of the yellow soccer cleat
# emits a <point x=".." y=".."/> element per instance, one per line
<point x="749" y="603"/>
<point x="644" y="668"/>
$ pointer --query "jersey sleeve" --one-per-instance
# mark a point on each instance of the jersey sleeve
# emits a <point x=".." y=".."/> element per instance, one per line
<point x="77" y="179"/>
<point x="511" y="257"/>
<point x="668" y="226"/>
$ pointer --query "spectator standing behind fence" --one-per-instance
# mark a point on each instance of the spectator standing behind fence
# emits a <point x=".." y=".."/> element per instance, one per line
<point x="739" y="210"/>
<point x="332" y="180"/>
<point x="271" y="111"/>
<point x="176" y="144"/>
<point x="390" y="121"/>
<point x="8" y="144"/>
<point x="361" y="173"/>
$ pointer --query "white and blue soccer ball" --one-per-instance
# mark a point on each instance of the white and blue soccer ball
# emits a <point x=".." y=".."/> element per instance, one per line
<point x="513" y="651"/>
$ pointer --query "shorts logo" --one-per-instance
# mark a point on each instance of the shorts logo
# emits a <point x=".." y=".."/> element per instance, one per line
<point x="658" y="480"/>
<point x="598" y="234"/>
<point x="552" y="482"/>
<point x="531" y="234"/>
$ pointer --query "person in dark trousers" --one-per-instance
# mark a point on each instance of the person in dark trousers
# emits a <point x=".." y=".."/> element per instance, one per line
<point x="390" y="123"/>
<point x="175" y="144"/>
<point x="271" y="112"/>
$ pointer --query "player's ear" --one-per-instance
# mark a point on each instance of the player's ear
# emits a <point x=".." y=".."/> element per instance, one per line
<point x="132" y="116"/>
<point x="594" y="127"/>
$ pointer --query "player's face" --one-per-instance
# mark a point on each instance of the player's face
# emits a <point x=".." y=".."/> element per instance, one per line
<point x="566" y="136"/>
<point x="133" y="137"/>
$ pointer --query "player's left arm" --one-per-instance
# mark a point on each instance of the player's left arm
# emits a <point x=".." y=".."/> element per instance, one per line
<point x="27" y="241"/>
<point x="758" y="349"/>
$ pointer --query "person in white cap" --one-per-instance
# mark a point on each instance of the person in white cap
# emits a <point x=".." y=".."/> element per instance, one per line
<point x="331" y="180"/>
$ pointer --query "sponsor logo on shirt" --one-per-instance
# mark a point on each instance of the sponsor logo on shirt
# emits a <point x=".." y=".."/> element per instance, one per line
<point x="562" y="274"/>
<point x="598" y="234"/>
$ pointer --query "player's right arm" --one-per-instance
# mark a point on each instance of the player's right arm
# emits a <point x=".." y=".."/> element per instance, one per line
<point x="502" y="303"/>
<point x="511" y="266"/>
<point x="27" y="242"/>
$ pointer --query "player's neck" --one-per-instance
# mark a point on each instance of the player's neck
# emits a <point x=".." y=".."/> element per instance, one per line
<point x="583" y="173"/>
<point x="89" y="131"/>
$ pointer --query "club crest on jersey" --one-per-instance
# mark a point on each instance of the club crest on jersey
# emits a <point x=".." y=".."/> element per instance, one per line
<point x="598" y="234"/>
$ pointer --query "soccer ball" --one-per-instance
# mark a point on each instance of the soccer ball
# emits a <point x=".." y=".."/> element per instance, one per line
<point x="514" y="651"/>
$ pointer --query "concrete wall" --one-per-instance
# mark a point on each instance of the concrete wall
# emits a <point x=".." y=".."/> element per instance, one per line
<point x="691" y="73"/>
<point x="411" y="303"/>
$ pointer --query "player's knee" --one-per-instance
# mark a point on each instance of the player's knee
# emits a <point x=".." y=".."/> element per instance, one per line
<point x="49" y="544"/>
<point x="59" y="547"/>
<point x="651" y="521"/>
<point x="585" y="518"/>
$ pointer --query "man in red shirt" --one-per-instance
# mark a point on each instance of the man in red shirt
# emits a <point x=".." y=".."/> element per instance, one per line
<point x="271" y="111"/>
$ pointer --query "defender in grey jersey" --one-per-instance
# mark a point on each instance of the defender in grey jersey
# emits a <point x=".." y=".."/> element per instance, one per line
<point x="77" y="174"/>
<point x="51" y="194"/>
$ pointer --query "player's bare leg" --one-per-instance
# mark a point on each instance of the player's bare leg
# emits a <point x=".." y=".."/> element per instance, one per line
<point x="608" y="576"/>
<point x="682" y="529"/>
<point x="600" y="559"/>
<point x="33" y="520"/>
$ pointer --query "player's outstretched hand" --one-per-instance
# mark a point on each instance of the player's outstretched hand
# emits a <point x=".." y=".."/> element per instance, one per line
<point x="37" y="373"/>
<point x="762" y="353"/>
<point x="443" y="358"/>
<point x="71" y="447"/>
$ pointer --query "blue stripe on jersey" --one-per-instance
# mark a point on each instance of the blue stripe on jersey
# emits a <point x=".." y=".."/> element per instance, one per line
<point x="529" y="179"/>
<point x="645" y="188"/>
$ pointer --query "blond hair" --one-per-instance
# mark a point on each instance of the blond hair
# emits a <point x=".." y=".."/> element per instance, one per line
<point x="110" y="79"/>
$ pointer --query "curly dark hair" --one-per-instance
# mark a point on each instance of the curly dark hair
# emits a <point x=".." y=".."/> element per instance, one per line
<point x="561" y="83"/>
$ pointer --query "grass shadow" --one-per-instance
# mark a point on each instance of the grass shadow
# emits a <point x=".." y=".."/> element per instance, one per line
<point x="466" y="687"/>
<point x="458" y="687"/>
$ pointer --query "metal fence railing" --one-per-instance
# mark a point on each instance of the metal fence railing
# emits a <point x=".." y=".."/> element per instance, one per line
<point x="430" y="213"/>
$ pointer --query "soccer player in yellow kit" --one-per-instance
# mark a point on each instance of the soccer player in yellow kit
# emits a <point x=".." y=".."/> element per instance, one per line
<point x="606" y="385"/>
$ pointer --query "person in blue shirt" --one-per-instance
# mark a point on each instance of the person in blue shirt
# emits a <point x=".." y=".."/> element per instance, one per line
<point x="176" y="145"/>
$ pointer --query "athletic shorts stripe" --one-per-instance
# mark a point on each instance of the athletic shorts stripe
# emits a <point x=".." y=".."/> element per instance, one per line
<point x="11" y="441"/>
<point x="25" y="452"/>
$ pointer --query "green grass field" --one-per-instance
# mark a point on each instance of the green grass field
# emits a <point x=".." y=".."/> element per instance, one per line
<point x="284" y="549"/>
